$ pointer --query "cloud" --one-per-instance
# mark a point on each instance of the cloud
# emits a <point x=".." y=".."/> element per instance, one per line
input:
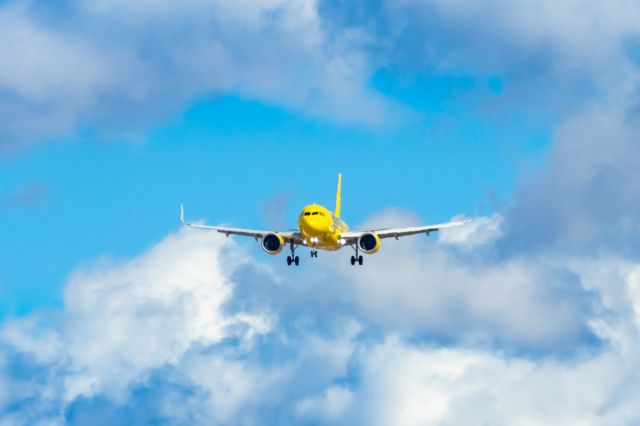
<point x="159" y="331"/>
<point x="118" y="67"/>
<point x="274" y="210"/>
<point x="530" y="316"/>
<point x="586" y="198"/>
<point x="497" y="36"/>
<point x="480" y="231"/>
<point x="549" y="58"/>
<point x="406" y="385"/>
<point x="28" y="195"/>
<point x="196" y="331"/>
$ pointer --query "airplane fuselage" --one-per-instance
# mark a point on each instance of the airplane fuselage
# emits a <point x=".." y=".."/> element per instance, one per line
<point x="321" y="228"/>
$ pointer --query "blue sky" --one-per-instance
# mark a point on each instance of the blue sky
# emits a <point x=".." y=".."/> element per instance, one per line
<point x="226" y="158"/>
<point x="522" y="116"/>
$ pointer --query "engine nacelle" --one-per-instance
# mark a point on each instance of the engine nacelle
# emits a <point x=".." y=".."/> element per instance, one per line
<point x="272" y="243"/>
<point x="369" y="242"/>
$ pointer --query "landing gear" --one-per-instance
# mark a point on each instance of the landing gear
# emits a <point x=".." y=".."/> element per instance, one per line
<point x="314" y="253"/>
<point x="293" y="258"/>
<point x="357" y="258"/>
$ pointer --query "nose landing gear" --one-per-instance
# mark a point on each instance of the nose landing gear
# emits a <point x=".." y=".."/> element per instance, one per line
<point x="314" y="253"/>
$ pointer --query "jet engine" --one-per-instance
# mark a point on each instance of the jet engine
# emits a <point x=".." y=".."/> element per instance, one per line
<point x="272" y="243"/>
<point x="369" y="242"/>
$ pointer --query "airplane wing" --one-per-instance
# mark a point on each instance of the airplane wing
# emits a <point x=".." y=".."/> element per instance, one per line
<point x="255" y="233"/>
<point x="396" y="233"/>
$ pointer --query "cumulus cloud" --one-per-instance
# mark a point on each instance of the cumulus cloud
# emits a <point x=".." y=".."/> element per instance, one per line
<point x="497" y="36"/>
<point x="587" y="196"/>
<point x="530" y="316"/>
<point x="161" y="323"/>
<point x="197" y="331"/>
<point x="119" y="66"/>
<point x="406" y="385"/>
<point x="480" y="231"/>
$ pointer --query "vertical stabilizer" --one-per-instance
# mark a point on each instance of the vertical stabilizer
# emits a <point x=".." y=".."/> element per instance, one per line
<point x="337" y="212"/>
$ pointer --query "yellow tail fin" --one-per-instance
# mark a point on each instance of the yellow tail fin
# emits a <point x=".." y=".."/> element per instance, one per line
<point x="337" y="212"/>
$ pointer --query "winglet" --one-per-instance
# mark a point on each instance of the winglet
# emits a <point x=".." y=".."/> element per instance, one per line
<point x="337" y="212"/>
<point x="182" y="214"/>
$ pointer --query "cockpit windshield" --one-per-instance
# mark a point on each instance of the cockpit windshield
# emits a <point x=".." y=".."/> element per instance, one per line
<point x="314" y="213"/>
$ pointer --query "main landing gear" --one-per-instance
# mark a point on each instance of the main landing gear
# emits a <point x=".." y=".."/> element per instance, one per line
<point x="356" y="259"/>
<point x="293" y="258"/>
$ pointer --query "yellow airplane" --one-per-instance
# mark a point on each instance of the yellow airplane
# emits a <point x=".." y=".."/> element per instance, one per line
<point x="319" y="228"/>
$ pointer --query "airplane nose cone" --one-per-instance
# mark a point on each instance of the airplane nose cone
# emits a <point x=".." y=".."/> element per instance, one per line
<point x="313" y="225"/>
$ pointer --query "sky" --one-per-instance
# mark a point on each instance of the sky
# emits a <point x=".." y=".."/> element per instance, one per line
<point x="522" y="116"/>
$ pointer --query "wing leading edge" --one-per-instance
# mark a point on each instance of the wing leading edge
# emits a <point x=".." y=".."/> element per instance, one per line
<point x="255" y="233"/>
<point x="402" y="232"/>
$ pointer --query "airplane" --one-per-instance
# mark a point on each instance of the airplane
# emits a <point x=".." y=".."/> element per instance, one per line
<point x="319" y="228"/>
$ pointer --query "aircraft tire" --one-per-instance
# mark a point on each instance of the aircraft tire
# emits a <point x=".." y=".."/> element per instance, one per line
<point x="360" y="260"/>
<point x="289" y="260"/>
<point x="296" y="260"/>
<point x="353" y="260"/>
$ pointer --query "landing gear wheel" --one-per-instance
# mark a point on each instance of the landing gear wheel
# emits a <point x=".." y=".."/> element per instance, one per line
<point x="293" y="258"/>
<point x="360" y="260"/>
<point x="353" y="260"/>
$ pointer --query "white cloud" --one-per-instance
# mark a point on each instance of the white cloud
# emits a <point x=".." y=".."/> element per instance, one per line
<point x="459" y="332"/>
<point x="559" y="39"/>
<point x="121" y="65"/>
<point x="406" y="385"/>
<point x="178" y="323"/>
<point x="329" y="406"/>
<point x="586" y="198"/>
<point x="126" y="319"/>
<point x="457" y="289"/>
<point x="479" y="231"/>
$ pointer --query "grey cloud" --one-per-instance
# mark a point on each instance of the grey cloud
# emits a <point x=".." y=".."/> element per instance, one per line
<point x="455" y="292"/>
<point x="274" y="210"/>
<point x="587" y="197"/>
<point x="495" y="37"/>
<point x="196" y="331"/>
<point x="551" y="57"/>
<point x="26" y="196"/>
<point x="118" y="66"/>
